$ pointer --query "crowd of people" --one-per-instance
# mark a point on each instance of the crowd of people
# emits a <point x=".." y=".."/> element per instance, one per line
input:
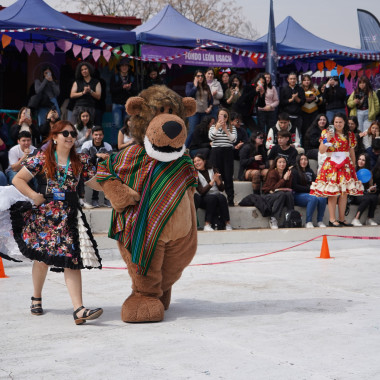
<point x="253" y="124"/>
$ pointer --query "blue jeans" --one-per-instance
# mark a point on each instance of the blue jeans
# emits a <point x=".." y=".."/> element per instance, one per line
<point x="311" y="202"/>
<point x="330" y="113"/>
<point x="3" y="179"/>
<point x="118" y="114"/>
<point x="42" y="112"/>
<point x="193" y="122"/>
<point x="32" y="183"/>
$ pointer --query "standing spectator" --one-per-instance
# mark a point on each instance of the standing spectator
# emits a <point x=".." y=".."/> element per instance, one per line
<point x="292" y="98"/>
<point x="353" y="125"/>
<point x="253" y="157"/>
<point x="310" y="107"/>
<point x="122" y="87"/>
<point x="337" y="177"/>
<point x="210" y="187"/>
<point x="370" y="197"/>
<point x="313" y="134"/>
<point x="277" y="189"/>
<point x="335" y="98"/>
<point x="283" y="149"/>
<point x="153" y="77"/>
<point x="242" y="135"/>
<point x="225" y="80"/>
<point x="100" y="105"/>
<point x="98" y="150"/>
<point x="364" y="103"/>
<point x="223" y="135"/>
<point x="302" y="178"/>
<point x="18" y="154"/>
<point x="200" y="91"/>
<point x="216" y="90"/>
<point x="266" y="116"/>
<point x="200" y="142"/>
<point x="322" y="104"/>
<point x="46" y="92"/>
<point x="124" y="137"/>
<point x="86" y="90"/>
<point x="373" y="132"/>
<point x="234" y="91"/>
<point x="284" y="124"/>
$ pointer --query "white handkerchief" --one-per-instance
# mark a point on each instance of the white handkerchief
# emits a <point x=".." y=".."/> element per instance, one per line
<point x="338" y="157"/>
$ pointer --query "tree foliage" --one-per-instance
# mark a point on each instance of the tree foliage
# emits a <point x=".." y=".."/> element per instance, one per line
<point x="219" y="15"/>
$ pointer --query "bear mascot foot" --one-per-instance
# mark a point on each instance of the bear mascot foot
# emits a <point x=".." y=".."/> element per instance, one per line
<point x="138" y="308"/>
<point x="165" y="298"/>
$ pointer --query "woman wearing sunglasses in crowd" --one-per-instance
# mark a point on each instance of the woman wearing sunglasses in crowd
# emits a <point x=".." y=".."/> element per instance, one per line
<point x="49" y="226"/>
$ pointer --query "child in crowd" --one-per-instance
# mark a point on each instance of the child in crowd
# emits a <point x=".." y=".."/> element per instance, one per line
<point x="283" y="149"/>
<point x="284" y="124"/>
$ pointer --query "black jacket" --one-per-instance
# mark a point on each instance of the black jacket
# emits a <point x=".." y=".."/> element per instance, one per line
<point x="292" y="108"/>
<point x="335" y="97"/>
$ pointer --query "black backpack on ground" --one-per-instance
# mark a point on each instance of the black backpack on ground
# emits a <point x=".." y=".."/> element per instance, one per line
<point x="293" y="219"/>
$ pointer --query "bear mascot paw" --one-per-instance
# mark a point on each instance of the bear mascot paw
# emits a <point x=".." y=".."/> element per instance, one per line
<point x="151" y="185"/>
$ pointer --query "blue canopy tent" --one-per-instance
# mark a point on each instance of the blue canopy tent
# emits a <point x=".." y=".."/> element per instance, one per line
<point x="293" y="39"/>
<point x="36" y="13"/>
<point x="170" y="28"/>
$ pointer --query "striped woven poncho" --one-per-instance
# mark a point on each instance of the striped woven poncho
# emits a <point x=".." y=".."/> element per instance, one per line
<point x="161" y="186"/>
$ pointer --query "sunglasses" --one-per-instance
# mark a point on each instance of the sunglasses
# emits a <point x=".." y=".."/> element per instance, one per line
<point x="66" y="133"/>
<point x="260" y="137"/>
<point x="199" y="76"/>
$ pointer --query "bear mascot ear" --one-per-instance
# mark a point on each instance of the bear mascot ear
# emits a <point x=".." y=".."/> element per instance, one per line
<point x="190" y="106"/>
<point x="134" y="105"/>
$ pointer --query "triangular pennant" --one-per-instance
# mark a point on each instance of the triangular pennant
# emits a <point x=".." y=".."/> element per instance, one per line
<point x="255" y="59"/>
<point x="96" y="54"/>
<point x="320" y="66"/>
<point x="169" y="65"/>
<point x="76" y="50"/>
<point x="330" y="64"/>
<point x="339" y="69"/>
<point x="127" y="49"/>
<point x="346" y="72"/>
<point x="360" y="73"/>
<point x="313" y="67"/>
<point x="28" y="47"/>
<point x="61" y="44"/>
<point x="38" y="48"/>
<point x="50" y="46"/>
<point x="85" y="52"/>
<point x="5" y="40"/>
<point x="19" y="45"/>
<point x="106" y="55"/>
<point x="298" y="65"/>
<point x="353" y="74"/>
<point x="368" y="73"/>
<point x="68" y="46"/>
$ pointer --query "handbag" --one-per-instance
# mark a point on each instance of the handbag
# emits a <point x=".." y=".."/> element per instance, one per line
<point x="35" y="100"/>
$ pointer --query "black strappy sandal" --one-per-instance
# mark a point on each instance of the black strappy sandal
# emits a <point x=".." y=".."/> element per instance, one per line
<point x="87" y="315"/>
<point x="36" y="308"/>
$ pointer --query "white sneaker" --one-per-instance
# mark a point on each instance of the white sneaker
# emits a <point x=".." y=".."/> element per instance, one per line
<point x="228" y="227"/>
<point x="309" y="225"/>
<point x="356" y="222"/>
<point x="321" y="224"/>
<point x="208" y="228"/>
<point x="273" y="223"/>
<point x="87" y="205"/>
<point x="371" y="222"/>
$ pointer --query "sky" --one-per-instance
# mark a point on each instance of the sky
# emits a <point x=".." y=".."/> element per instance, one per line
<point x="333" y="20"/>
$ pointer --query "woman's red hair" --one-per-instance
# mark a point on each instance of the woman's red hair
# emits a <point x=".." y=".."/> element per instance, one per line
<point x="50" y="162"/>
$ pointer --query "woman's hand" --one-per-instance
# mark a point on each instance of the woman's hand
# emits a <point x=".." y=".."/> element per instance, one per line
<point x="208" y="110"/>
<point x="259" y="157"/>
<point x="287" y="175"/>
<point x="195" y="82"/>
<point x="38" y="199"/>
<point x="88" y="133"/>
<point x="217" y="178"/>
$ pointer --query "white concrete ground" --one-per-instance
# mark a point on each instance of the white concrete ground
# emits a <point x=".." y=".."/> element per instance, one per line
<point x="283" y="316"/>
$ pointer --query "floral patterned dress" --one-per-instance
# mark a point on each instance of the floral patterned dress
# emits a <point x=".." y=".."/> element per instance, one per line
<point x="337" y="175"/>
<point x="56" y="232"/>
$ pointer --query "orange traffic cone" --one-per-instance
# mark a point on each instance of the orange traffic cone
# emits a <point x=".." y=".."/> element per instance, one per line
<point x="2" y="272"/>
<point x="325" y="252"/>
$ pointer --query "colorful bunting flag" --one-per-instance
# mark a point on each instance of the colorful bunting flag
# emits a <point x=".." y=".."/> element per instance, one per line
<point x="19" y="45"/>
<point x="96" y="54"/>
<point x="85" y="52"/>
<point x="106" y="55"/>
<point x="50" y="46"/>
<point x="38" y="48"/>
<point x="5" y="40"/>
<point x="28" y="47"/>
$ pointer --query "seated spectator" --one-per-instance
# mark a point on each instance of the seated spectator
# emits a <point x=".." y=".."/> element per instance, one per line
<point x="153" y="77"/>
<point x="277" y="189"/>
<point x="98" y="150"/>
<point x="302" y="177"/>
<point x="284" y="124"/>
<point x="50" y="119"/>
<point x="210" y="186"/>
<point x="24" y="123"/>
<point x="200" y="142"/>
<point x="353" y="125"/>
<point x="124" y="137"/>
<point x="313" y="134"/>
<point x="3" y="152"/>
<point x="242" y="135"/>
<point x="3" y="179"/>
<point x="283" y="149"/>
<point x="253" y="157"/>
<point x="374" y="152"/>
<point x="18" y="154"/>
<point x="216" y="90"/>
<point x="373" y="132"/>
<point x="83" y="126"/>
<point x="370" y="197"/>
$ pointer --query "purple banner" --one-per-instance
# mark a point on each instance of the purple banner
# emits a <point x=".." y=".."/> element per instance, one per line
<point x="198" y="57"/>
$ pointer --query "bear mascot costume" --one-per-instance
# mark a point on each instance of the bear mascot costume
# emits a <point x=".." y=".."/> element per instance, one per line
<point x="151" y="188"/>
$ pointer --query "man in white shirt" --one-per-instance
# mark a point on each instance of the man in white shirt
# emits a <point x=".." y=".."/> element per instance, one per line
<point x="98" y="150"/>
<point x="18" y="154"/>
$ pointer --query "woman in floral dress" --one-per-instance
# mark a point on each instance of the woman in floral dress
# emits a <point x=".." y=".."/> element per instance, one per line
<point x="53" y="230"/>
<point x="337" y="177"/>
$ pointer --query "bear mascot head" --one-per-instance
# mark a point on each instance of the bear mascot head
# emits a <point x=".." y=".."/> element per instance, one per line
<point x="150" y="185"/>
